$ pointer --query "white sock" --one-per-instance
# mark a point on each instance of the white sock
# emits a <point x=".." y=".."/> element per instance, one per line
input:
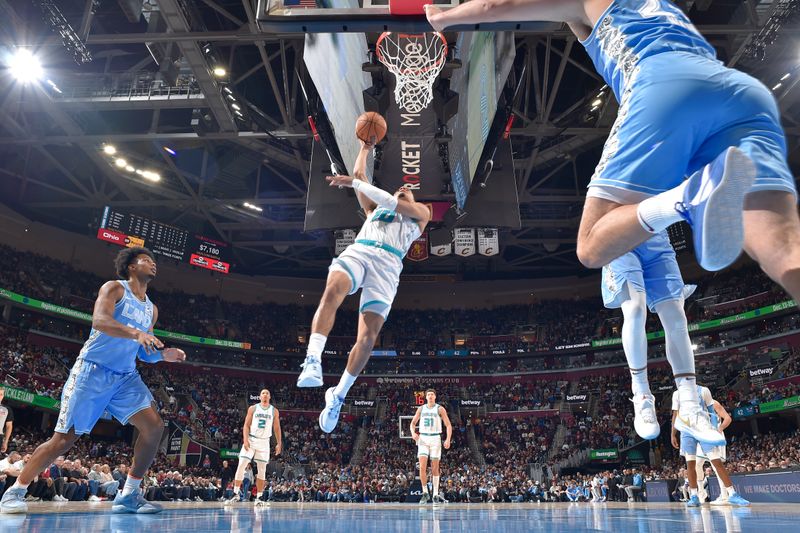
<point x="316" y="343"/>
<point x="692" y="492"/>
<point x="639" y="382"/>
<point x="687" y="392"/>
<point x="435" y="485"/>
<point x="425" y="488"/>
<point x="131" y="485"/>
<point x="634" y="339"/>
<point x="18" y="485"/>
<point x="344" y="385"/>
<point x="657" y="213"/>
<point x="730" y="490"/>
<point x="237" y="490"/>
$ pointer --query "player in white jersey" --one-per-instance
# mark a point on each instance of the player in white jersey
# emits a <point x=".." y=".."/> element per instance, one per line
<point x="373" y="264"/>
<point x="430" y="417"/>
<point x="261" y="423"/>
<point x="690" y="449"/>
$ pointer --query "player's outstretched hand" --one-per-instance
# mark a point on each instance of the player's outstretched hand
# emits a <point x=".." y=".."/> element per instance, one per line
<point x="148" y="342"/>
<point x="340" y="181"/>
<point x="447" y="444"/>
<point x="370" y="144"/>
<point x="434" y="17"/>
<point x="415" y="436"/>
<point x="675" y="443"/>
<point x="174" y="355"/>
<point x="278" y="449"/>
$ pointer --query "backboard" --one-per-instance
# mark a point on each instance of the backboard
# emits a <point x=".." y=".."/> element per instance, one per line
<point x="359" y="16"/>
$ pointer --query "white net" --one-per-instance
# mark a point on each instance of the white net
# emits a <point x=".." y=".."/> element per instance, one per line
<point x="415" y="60"/>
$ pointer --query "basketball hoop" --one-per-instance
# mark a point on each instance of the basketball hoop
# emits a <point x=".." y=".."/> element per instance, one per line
<point x="415" y="59"/>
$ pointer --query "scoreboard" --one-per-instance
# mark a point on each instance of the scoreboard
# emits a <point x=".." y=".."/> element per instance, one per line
<point x="125" y="229"/>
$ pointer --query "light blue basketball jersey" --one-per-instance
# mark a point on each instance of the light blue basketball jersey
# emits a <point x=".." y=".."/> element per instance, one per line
<point x="632" y="30"/>
<point x="116" y="353"/>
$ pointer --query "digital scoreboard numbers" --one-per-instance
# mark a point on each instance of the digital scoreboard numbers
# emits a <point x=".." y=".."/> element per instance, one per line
<point x="208" y="253"/>
<point x="125" y="229"/>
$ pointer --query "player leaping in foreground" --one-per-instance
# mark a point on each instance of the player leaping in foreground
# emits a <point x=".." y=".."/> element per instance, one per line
<point x="682" y="113"/>
<point x="373" y="264"/>
<point x="104" y="377"/>
<point x="429" y="442"/>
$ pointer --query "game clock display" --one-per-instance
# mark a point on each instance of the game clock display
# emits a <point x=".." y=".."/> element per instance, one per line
<point x="125" y="229"/>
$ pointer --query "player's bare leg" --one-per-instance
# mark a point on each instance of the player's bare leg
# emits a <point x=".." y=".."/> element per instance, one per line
<point x="772" y="237"/>
<point x="607" y="231"/>
<point x="151" y="428"/>
<point x="423" y="478"/>
<point x="369" y="326"/>
<point x="436" y="477"/>
<point x="711" y="200"/>
<point x="336" y="289"/>
<point x="43" y="456"/>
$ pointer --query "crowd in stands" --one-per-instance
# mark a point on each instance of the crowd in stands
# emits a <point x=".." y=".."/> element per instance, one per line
<point x="544" y="324"/>
<point x="509" y="442"/>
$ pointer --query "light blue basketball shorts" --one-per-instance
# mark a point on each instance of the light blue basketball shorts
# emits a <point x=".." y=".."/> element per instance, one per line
<point x="683" y="111"/>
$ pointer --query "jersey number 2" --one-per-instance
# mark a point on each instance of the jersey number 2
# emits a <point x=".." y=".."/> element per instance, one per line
<point x="262" y="424"/>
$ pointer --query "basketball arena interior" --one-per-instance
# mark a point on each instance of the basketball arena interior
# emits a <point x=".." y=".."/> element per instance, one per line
<point x="207" y="137"/>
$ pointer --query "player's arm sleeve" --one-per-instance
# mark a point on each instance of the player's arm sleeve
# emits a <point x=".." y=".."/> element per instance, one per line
<point x="379" y="196"/>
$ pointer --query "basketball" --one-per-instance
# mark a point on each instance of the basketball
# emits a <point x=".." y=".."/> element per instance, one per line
<point x="371" y="124"/>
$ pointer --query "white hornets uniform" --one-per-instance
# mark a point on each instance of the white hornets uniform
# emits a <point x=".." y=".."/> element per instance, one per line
<point x="260" y="433"/>
<point x="375" y="260"/>
<point x="430" y="433"/>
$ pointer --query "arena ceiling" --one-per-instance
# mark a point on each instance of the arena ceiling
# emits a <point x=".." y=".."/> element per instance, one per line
<point x="54" y="169"/>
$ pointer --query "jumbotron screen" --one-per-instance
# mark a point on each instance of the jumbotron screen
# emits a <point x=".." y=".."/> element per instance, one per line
<point x="126" y="229"/>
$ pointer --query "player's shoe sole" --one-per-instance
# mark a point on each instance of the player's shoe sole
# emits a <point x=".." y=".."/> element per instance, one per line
<point x="329" y="416"/>
<point x="714" y="203"/>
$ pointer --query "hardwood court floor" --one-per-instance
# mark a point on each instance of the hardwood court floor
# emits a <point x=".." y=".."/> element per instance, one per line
<point x="409" y="518"/>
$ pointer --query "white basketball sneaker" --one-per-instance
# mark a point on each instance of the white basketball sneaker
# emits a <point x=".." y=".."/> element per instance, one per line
<point x="329" y="416"/>
<point x="645" y="422"/>
<point x="311" y="376"/>
<point x="721" y="501"/>
<point x="698" y="424"/>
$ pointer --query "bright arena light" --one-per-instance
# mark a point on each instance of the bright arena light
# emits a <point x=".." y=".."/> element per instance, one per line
<point x="24" y="66"/>
<point x="110" y="149"/>
<point x="220" y="72"/>
<point x="121" y="163"/>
